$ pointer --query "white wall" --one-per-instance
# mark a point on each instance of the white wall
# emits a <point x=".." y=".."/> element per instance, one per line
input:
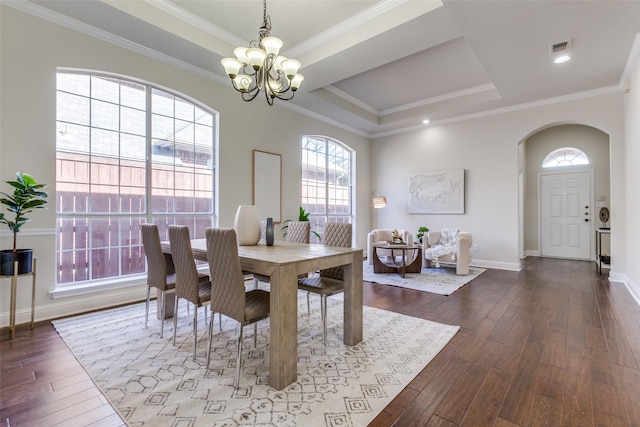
<point x="631" y="274"/>
<point x="488" y="149"/>
<point x="31" y="49"/>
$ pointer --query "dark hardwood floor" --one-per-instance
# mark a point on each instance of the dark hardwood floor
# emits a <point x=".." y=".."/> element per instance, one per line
<point x="553" y="344"/>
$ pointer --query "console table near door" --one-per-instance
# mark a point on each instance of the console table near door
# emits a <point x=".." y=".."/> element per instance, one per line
<point x="599" y="233"/>
<point x="14" y="291"/>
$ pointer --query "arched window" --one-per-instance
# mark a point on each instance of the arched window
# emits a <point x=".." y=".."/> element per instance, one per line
<point x="566" y="156"/>
<point x="327" y="181"/>
<point x="126" y="153"/>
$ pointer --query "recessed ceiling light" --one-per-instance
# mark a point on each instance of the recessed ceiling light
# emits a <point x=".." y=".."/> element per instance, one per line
<point x="425" y="121"/>
<point x="561" y="59"/>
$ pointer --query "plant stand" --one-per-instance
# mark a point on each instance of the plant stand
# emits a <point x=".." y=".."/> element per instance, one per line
<point x="14" y="288"/>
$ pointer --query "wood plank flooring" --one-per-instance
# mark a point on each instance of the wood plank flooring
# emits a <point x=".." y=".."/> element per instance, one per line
<point x="554" y="344"/>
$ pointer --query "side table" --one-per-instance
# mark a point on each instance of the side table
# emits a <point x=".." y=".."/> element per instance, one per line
<point x="408" y="264"/>
<point x="14" y="289"/>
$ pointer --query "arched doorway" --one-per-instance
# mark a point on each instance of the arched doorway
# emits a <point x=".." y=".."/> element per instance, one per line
<point x="534" y="149"/>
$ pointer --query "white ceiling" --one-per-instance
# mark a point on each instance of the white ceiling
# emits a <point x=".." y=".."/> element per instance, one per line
<point x="379" y="67"/>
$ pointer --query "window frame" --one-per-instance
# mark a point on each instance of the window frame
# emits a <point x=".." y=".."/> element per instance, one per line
<point x="194" y="218"/>
<point x="318" y="219"/>
<point x="576" y="154"/>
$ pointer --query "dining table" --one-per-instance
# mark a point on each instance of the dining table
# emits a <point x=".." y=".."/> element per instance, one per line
<point x="283" y="262"/>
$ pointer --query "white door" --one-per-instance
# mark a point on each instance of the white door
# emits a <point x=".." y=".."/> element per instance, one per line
<point x="565" y="212"/>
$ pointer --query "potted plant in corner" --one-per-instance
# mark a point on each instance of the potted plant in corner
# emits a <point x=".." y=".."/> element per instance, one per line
<point x="27" y="196"/>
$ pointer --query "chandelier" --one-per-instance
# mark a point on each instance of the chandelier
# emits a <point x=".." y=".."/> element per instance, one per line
<point x="259" y="67"/>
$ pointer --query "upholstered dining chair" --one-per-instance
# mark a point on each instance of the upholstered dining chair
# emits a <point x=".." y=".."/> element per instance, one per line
<point x="160" y="271"/>
<point x="228" y="294"/>
<point x="329" y="281"/>
<point x="298" y="231"/>
<point x="189" y="284"/>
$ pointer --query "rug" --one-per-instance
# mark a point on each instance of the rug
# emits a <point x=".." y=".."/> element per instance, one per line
<point x="442" y="281"/>
<point x="151" y="382"/>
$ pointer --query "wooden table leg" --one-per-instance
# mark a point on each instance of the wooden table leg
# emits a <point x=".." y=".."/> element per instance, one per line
<point x="353" y="301"/>
<point x="283" y="346"/>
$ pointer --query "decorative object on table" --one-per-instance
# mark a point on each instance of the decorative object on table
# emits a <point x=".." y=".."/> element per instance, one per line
<point x="259" y="67"/>
<point x="27" y="196"/>
<point x="439" y="192"/>
<point x="269" y="232"/>
<point x="396" y="239"/>
<point x="247" y="225"/>
<point x="303" y="215"/>
<point x="604" y="217"/>
<point x="421" y="232"/>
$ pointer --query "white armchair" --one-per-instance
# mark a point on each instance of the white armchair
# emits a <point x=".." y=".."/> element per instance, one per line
<point x="447" y="246"/>
<point x="382" y="235"/>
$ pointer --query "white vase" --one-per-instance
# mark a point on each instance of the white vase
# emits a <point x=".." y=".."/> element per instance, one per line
<point x="247" y="225"/>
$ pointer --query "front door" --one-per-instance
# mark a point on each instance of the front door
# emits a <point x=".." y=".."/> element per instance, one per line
<point x="565" y="212"/>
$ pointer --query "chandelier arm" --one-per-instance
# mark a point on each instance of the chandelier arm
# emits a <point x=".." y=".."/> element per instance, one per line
<point x="249" y="96"/>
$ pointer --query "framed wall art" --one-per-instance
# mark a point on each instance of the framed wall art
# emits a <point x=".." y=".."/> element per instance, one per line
<point x="267" y="184"/>
<point x="440" y="192"/>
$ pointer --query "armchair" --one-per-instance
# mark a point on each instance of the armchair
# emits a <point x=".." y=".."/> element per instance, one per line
<point x="384" y="235"/>
<point x="447" y="246"/>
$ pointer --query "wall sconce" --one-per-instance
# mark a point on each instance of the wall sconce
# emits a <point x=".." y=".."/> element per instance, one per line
<point x="378" y="201"/>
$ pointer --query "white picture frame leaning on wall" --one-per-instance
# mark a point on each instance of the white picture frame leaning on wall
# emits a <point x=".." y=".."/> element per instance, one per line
<point x="438" y="192"/>
<point x="267" y="185"/>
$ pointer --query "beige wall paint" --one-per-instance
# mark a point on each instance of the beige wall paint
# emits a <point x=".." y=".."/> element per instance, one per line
<point x="631" y="188"/>
<point x="488" y="149"/>
<point x="31" y="49"/>
<point x="593" y="142"/>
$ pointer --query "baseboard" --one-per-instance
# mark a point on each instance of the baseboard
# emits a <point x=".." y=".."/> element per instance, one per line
<point x="633" y="288"/>
<point x="70" y="306"/>
<point x="498" y="265"/>
<point x="531" y="252"/>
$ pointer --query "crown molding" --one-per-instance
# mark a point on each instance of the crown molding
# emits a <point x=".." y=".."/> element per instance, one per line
<point x="197" y="22"/>
<point x="89" y="30"/>
<point x="525" y="106"/>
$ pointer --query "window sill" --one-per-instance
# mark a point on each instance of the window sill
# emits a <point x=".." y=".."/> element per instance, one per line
<point x="66" y="291"/>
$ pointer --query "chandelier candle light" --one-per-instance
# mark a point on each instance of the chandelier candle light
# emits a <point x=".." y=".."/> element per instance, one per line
<point x="259" y="67"/>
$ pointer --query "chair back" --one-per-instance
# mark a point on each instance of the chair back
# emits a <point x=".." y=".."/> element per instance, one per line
<point x="298" y="231"/>
<point x="227" y="282"/>
<point x="336" y="234"/>
<point x="187" y="279"/>
<point x="159" y="264"/>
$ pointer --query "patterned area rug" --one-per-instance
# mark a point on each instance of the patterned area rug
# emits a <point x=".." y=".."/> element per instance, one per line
<point x="443" y="280"/>
<point x="153" y="383"/>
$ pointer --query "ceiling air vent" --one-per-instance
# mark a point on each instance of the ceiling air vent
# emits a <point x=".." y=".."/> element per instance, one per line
<point x="560" y="52"/>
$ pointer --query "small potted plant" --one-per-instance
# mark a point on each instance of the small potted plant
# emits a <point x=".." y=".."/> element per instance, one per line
<point x="27" y="196"/>
<point x="421" y="232"/>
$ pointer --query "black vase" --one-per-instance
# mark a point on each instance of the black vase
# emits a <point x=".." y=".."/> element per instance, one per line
<point x="269" y="232"/>
<point x="8" y="258"/>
